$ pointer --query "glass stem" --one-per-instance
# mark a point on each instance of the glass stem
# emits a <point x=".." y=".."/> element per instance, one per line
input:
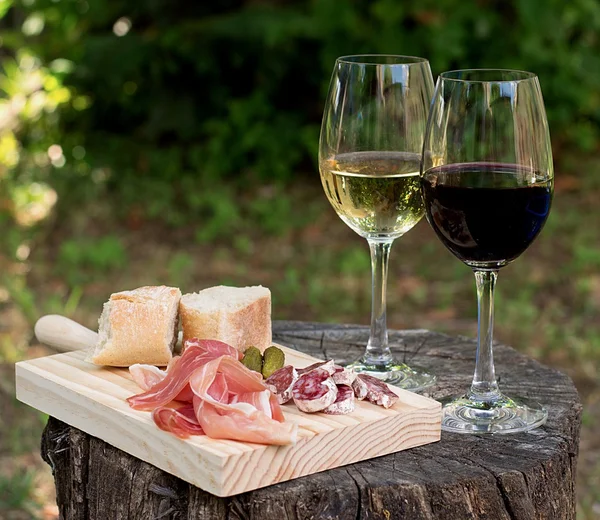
<point x="484" y="387"/>
<point x="378" y="351"/>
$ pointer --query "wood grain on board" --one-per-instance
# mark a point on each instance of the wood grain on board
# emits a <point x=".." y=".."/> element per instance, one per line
<point x="92" y="399"/>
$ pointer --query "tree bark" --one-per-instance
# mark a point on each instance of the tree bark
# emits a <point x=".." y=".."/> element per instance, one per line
<point x="519" y="477"/>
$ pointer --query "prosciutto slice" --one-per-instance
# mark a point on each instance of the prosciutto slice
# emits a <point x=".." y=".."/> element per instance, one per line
<point x="260" y="400"/>
<point x="244" y="417"/>
<point x="276" y="411"/>
<point x="147" y="376"/>
<point x="249" y="426"/>
<point x="197" y="354"/>
<point x="208" y="391"/>
<point x="180" y="420"/>
<point x="218" y="390"/>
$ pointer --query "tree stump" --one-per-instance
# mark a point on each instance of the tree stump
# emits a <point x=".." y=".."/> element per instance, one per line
<point x="524" y="476"/>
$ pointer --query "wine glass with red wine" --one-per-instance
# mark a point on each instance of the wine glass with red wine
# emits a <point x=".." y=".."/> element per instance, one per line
<point x="487" y="184"/>
<point x="369" y="159"/>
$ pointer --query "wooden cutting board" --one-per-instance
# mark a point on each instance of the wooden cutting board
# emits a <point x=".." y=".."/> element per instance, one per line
<point x="92" y="399"/>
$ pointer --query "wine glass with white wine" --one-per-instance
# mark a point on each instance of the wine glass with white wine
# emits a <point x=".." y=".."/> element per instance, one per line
<point x="369" y="158"/>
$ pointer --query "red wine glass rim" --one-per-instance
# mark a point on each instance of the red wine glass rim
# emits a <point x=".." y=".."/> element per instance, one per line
<point x="381" y="59"/>
<point x="517" y="75"/>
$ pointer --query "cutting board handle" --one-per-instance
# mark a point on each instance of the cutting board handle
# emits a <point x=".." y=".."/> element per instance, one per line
<point x="64" y="334"/>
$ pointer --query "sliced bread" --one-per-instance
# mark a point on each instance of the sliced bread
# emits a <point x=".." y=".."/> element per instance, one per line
<point x="138" y="326"/>
<point x="238" y="316"/>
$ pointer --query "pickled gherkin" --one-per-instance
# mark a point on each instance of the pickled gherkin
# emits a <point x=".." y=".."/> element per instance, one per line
<point x="273" y="359"/>
<point x="253" y="359"/>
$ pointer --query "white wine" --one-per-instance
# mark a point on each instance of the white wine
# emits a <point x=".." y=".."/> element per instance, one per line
<point x="377" y="194"/>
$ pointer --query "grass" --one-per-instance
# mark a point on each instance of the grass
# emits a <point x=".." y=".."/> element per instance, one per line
<point x="547" y="305"/>
<point x="26" y="487"/>
<point x="16" y="492"/>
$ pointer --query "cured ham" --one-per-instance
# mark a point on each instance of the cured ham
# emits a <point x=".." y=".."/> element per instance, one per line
<point x="209" y="391"/>
<point x="147" y="376"/>
<point x="218" y="389"/>
<point x="249" y="426"/>
<point x="213" y="348"/>
<point x="260" y="400"/>
<point x="243" y="418"/>
<point x="197" y="354"/>
<point x="264" y="401"/>
<point x="276" y="411"/>
<point x="180" y="421"/>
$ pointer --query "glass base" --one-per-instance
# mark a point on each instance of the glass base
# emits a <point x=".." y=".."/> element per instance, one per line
<point x="502" y="415"/>
<point x="397" y="374"/>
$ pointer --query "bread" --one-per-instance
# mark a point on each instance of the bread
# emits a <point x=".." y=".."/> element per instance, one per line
<point x="138" y="326"/>
<point x="238" y="316"/>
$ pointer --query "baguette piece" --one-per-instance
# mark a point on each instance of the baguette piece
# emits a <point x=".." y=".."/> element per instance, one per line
<point x="238" y="316"/>
<point x="138" y="326"/>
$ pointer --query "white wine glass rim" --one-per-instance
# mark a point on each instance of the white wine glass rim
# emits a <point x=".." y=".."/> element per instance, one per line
<point x="381" y="59"/>
<point x="514" y="75"/>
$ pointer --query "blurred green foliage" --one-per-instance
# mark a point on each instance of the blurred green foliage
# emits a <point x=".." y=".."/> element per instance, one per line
<point x="200" y="113"/>
<point x="16" y="492"/>
<point x="156" y="102"/>
<point x="79" y="261"/>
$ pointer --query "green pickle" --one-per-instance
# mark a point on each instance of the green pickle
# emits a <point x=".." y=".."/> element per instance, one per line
<point x="274" y="359"/>
<point x="253" y="359"/>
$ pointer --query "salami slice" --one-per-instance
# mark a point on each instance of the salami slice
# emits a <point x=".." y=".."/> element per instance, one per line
<point x="328" y="366"/>
<point x="281" y="383"/>
<point x="374" y="390"/>
<point x="344" y="402"/>
<point x="360" y="388"/>
<point x="343" y="376"/>
<point x="314" y="391"/>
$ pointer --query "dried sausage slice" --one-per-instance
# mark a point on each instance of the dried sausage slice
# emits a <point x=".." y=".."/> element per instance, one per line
<point x="281" y="383"/>
<point x="314" y="391"/>
<point x="344" y="402"/>
<point x="374" y="390"/>
<point x="343" y="376"/>
<point x="328" y="366"/>
<point x="360" y="388"/>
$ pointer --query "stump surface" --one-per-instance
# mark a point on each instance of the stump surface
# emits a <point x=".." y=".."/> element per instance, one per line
<point x="524" y="476"/>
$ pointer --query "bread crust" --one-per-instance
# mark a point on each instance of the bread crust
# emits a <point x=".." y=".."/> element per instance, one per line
<point x="250" y="325"/>
<point x="138" y="326"/>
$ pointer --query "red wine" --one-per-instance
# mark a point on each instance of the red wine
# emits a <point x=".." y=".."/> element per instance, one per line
<point x="487" y="214"/>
